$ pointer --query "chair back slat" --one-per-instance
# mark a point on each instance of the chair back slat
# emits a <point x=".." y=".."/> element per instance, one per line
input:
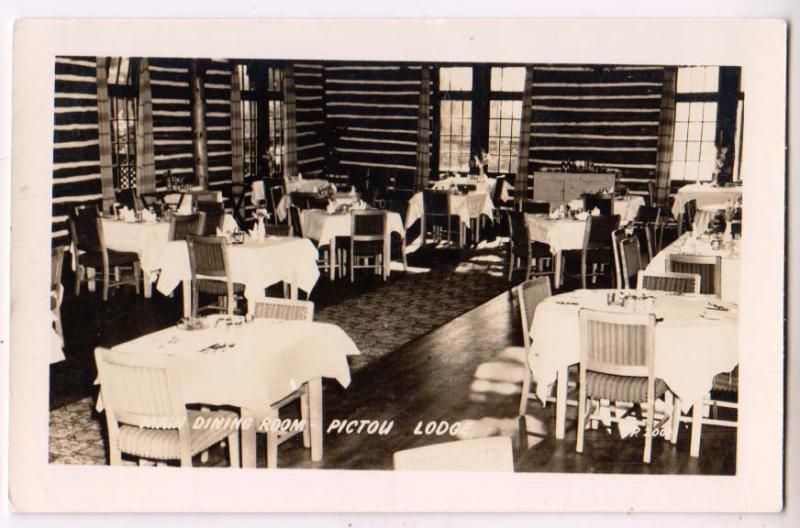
<point x="436" y="202"/>
<point x="498" y="190"/>
<point x="214" y="213"/>
<point x="709" y="269"/>
<point x="297" y="225"/>
<point x="690" y="210"/>
<point x="535" y="207"/>
<point x="84" y="225"/>
<point x="669" y="282"/>
<point x="284" y="309"/>
<point x="531" y="293"/>
<point x="368" y="225"/>
<point x="208" y="256"/>
<point x="599" y="229"/>
<point x="603" y="202"/>
<point x="518" y="229"/>
<point x="276" y="194"/>
<point x="631" y="260"/>
<point x="182" y="226"/>
<point x="140" y="389"/>
<point x="616" y="237"/>
<point x="617" y="343"/>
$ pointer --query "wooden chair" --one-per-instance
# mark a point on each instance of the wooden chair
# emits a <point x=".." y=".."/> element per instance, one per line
<point x="669" y="282"/>
<point x="438" y="218"/>
<point x="276" y="194"/>
<point x="631" y="259"/>
<point x="282" y="230"/>
<point x="618" y="364"/>
<point x="183" y="226"/>
<point x="129" y="198"/>
<point x="689" y="214"/>
<point x="535" y="207"/>
<point x="596" y="251"/>
<point x="146" y="416"/>
<point x="324" y="260"/>
<point x="481" y="454"/>
<point x="368" y="241"/>
<point x="708" y="267"/>
<point x="285" y="310"/>
<point x="208" y="259"/>
<point x="521" y="249"/>
<point x="89" y="243"/>
<point x="213" y="214"/>
<point x="530" y="293"/>
<point x="616" y="237"/>
<point x="603" y="202"/>
<point x="56" y="290"/>
<point x="725" y="383"/>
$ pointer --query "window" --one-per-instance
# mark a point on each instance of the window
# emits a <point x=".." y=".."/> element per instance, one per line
<point x="455" y="114"/>
<point x="694" y="150"/>
<point x="123" y="96"/>
<point x="262" y="119"/>
<point x="505" y="113"/>
<point x="249" y="104"/>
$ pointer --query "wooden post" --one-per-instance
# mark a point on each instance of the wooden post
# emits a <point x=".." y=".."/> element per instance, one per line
<point x="199" y="126"/>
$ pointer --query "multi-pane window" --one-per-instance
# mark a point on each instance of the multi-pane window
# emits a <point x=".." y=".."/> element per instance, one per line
<point x="249" y="105"/>
<point x="694" y="150"/>
<point x="123" y="97"/>
<point x="505" y="113"/>
<point x="276" y="117"/>
<point x="455" y="116"/>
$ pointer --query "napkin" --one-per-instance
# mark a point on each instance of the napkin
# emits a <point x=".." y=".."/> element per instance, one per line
<point x="595" y="212"/>
<point x="583" y="215"/>
<point x="127" y="215"/>
<point x="331" y="208"/>
<point x="148" y="216"/>
<point x="553" y="214"/>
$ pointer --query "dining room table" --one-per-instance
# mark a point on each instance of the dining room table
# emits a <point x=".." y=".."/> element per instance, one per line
<point x="697" y="244"/>
<point x="252" y="364"/>
<point x="627" y="207"/>
<point x="485" y="185"/>
<point x="468" y="207"/>
<point x="293" y="185"/>
<point x="325" y="226"/>
<point x="148" y="239"/>
<point x="256" y="262"/>
<point x="560" y="234"/>
<point x="696" y="338"/>
<point x="704" y="194"/>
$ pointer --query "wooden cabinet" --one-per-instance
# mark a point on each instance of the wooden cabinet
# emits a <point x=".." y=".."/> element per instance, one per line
<point x="561" y="187"/>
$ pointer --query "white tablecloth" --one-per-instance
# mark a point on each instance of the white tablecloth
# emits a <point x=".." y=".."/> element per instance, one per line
<point x="322" y="226"/>
<point x="560" y="234"/>
<point x="310" y="185"/>
<point x="703" y="194"/>
<point x="147" y="239"/>
<point x="270" y="359"/>
<point x="257" y="264"/>
<point x="627" y="208"/>
<point x="484" y="185"/>
<point x="690" y="246"/>
<point x="465" y="207"/>
<point x="689" y="350"/>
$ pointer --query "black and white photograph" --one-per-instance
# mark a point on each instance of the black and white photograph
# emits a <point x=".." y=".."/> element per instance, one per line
<point x="405" y="265"/>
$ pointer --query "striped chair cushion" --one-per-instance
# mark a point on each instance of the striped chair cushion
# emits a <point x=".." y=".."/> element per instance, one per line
<point x="163" y="444"/>
<point x="727" y="381"/>
<point x="215" y="287"/>
<point x="620" y="388"/>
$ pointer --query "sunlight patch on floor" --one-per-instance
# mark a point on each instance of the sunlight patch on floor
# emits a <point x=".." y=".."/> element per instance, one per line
<point x="397" y="267"/>
<point x="513" y="353"/>
<point x="486" y="386"/>
<point x="500" y="371"/>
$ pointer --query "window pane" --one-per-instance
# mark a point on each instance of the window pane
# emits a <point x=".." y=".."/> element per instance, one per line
<point x="706" y="170"/>
<point x="712" y="79"/>
<point x="691" y="170"/>
<point x="508" y="79"/>
<point x="684" y="80"/>
<point x="695" y="111"/>
<point x="693" y="151"/>
<point x="709" y="112"/>
<point x="682" y="112"/>
<point x="679" y="151"/>
<point x="695" y="130"/>
<point x="708" y="151"/>
<point x="709" y="131"/>
<point x="455" y="79"/>
<point x="676" y="170"/>
<point x="681" y="130"/>
<point x="454" y="137"/>
<point x="698" y="79"/>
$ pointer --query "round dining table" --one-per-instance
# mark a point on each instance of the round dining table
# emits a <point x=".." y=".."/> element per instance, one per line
<point x="695" y="338"/>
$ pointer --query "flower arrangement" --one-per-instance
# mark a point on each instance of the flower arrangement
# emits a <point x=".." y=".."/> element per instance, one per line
<point x="481" y="162"/>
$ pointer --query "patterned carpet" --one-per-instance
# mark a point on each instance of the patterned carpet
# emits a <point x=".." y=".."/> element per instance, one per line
<point x="379" y="320"/>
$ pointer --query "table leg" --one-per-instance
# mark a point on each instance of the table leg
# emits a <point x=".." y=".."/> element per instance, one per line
<point x="90" y="280"/>
<point x="697" y="428"/>
<point x="148" y="286"/>
<point x="557" y="278"/>
<point x="332" y="259"/>
<point x="248" y="438"/>
<point x="292" y="291"/>
<point x="315" y="417"/>
<point x="187" y="298"/>
<point x="561" y="402"/>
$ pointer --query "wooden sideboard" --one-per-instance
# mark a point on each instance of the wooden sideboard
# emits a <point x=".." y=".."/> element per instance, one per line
<point x="560" y="187"/>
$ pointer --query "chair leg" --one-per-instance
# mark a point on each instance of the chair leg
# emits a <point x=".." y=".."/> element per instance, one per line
<point x="583" y="274"/>
<point x="676" y="420"/>
<point x="648" y="433"/>
<point x="305" y="411"/>
<point x="403" y="253"/>
<point x="186" y="459"/>
<point x="526" y="387"/>
<point x="105" y="284"/>
<point x="78" y="279"/>
<point x="528" y="261"/>
<point x="137" y="272"/>
<point x="510" y="263"/>
<point x="581" y="411"/>
<point x="233" y="450"/>
<point x="195" y="299"/>
<point x="272" y="449"/>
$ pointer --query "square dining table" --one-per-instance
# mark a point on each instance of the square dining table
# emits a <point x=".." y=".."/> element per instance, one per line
<point x="252" y="365"/>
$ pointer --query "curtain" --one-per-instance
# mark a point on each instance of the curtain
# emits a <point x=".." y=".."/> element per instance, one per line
<point x="289" y="123"/>
<point x="145" y="156"/>
<point x="666" y="131"/>
<point x="521" y="180"/>
<point x="104" y="134"/>
<point x="424" y="130"/>
<point x="237" y="141"/>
